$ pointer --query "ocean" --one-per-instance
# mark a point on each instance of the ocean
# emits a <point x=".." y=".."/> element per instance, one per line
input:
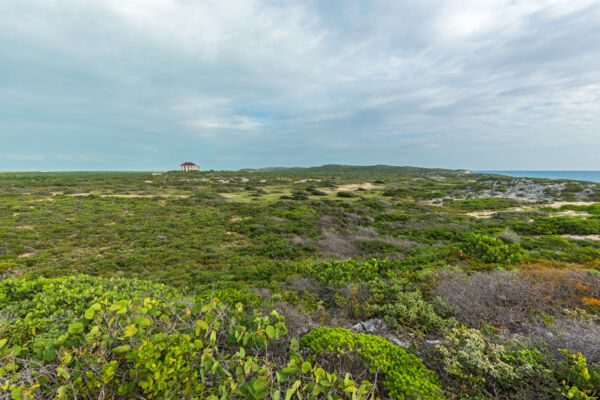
<point x="591" y="176"/>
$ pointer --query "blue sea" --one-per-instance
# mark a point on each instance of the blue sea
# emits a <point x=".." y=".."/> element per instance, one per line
<point x="592" y="176"/>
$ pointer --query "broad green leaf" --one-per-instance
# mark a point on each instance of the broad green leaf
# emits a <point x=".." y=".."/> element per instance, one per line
<point x="306" y="367"/>
<point x="121" y="349"/>
<point x="76" y="328"/>
<point x="130" y="330"/>
<point x="270" y="331"/>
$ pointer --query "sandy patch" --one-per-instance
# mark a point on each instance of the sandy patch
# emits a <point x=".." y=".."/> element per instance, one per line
<point x="28" y="227"/>
<point x="490" y="213"/>
<point x="307" y="180"/>
<point x="559" y="204"/>
<point x="365" y="185"/>
<point x="481" y="214"/>
<point x="582" y="237"/>
<point x="26" y="255"/>
<point x="571" y="213"/>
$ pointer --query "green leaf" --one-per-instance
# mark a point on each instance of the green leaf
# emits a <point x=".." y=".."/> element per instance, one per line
<point x="76" y="328"/>
<point x="89" y="313"/>
<point x="270" y="331"/>
<point x="121" y="349"/>
<point x="259" y="386"/>
<point x="306" y="367"/>
<point x="130" y="330"/>
<point x="290" y="392"/>
<point x="3" y="342"/>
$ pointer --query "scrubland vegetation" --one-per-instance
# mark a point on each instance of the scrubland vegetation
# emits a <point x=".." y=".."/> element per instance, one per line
<point x="332" y="282"/>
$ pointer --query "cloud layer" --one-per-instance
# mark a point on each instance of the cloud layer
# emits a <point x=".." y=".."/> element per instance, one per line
<point x="146" y="84"/>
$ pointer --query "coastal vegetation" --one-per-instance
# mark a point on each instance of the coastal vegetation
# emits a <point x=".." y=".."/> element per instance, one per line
<point x="304" y="283"/>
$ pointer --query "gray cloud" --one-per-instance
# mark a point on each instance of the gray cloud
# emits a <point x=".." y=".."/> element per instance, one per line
<point x="144" y="84"/>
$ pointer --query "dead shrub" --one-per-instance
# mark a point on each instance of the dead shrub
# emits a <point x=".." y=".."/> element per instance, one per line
<point x="578" y="335"/>
<point x="509" y="236"/>
<point x="509" y="300"/>
<point x="298" y="323"/>
<point x="354" y="243"/>
<point x="497" y="298"/>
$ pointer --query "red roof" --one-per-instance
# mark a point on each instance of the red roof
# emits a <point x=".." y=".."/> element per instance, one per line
<point x="187" y="163"/>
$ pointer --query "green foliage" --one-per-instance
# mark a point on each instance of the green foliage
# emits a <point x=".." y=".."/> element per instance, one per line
<point x="468" y="356"/>
<point x="405" y="376"/>
<point x="577" y="381"/>
<point x="401" y="304"/>
<point x="559" y="226"/>
<point x="242" y="246"/>
<point x="279" y="250"/>
<point x="394" y="217"/>
<point x="479" y="364"/>
<point x="347" y="194"/>
<point x="337" y="273"/>
<point x="5" y="266"/>
<point x="493" y="250"/>
<point x="486" y="203"/>
<point x="129" y="339"/>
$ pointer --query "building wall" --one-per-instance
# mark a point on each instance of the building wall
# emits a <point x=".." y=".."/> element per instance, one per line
<point x="187" y="168"/>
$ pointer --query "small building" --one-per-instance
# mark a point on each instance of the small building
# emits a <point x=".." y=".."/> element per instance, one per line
<point x="189" y="166"/>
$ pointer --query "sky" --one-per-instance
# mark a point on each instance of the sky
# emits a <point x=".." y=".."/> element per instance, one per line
<point x="148" y="84"/>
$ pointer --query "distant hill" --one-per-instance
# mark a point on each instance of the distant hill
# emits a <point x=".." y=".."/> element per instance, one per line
<point x="358" y="170"/>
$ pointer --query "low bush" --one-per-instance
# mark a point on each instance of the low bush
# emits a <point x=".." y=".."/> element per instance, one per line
<point x="475" y="363"/>
<point x="509" y="299"/>
<point x="401" y="304"/>
<point x="393" y="217"/>
<point x="487" y="203"/>
<point x="336" y="273"/>
<point x="492" y="250"/>
<point x="344" y="193"/>
<point x="404" y="375"/>
<point x="558" y="226"/>
<point x="89" y="338"/>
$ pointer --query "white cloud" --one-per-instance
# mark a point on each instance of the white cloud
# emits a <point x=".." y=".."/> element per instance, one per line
<point x="250" y="75"/>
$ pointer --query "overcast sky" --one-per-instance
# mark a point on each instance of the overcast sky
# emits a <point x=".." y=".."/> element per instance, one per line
<point x="147" y="84"/>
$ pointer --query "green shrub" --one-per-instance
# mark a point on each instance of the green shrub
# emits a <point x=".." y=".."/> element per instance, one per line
<point x="396" y="192"/>
<point x="492" y="250"/>
<point x="559" y="226"/>
<point x="405" y="376"/>
<point x="344" y="193"/>
<point x="400" y="303"/>
<point x="5" y="266"/>
<point x="89" y="338"/>
<point x="393" y="217"/>
<point x="374" y="247"/>
<point x="482" y="366"/>
<point x="279" y="250"/>
<point x="337" y="273"/>
<point x="468" y="356"/>
<point x="579" y="381"/>
<point x="488" y="203"/>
